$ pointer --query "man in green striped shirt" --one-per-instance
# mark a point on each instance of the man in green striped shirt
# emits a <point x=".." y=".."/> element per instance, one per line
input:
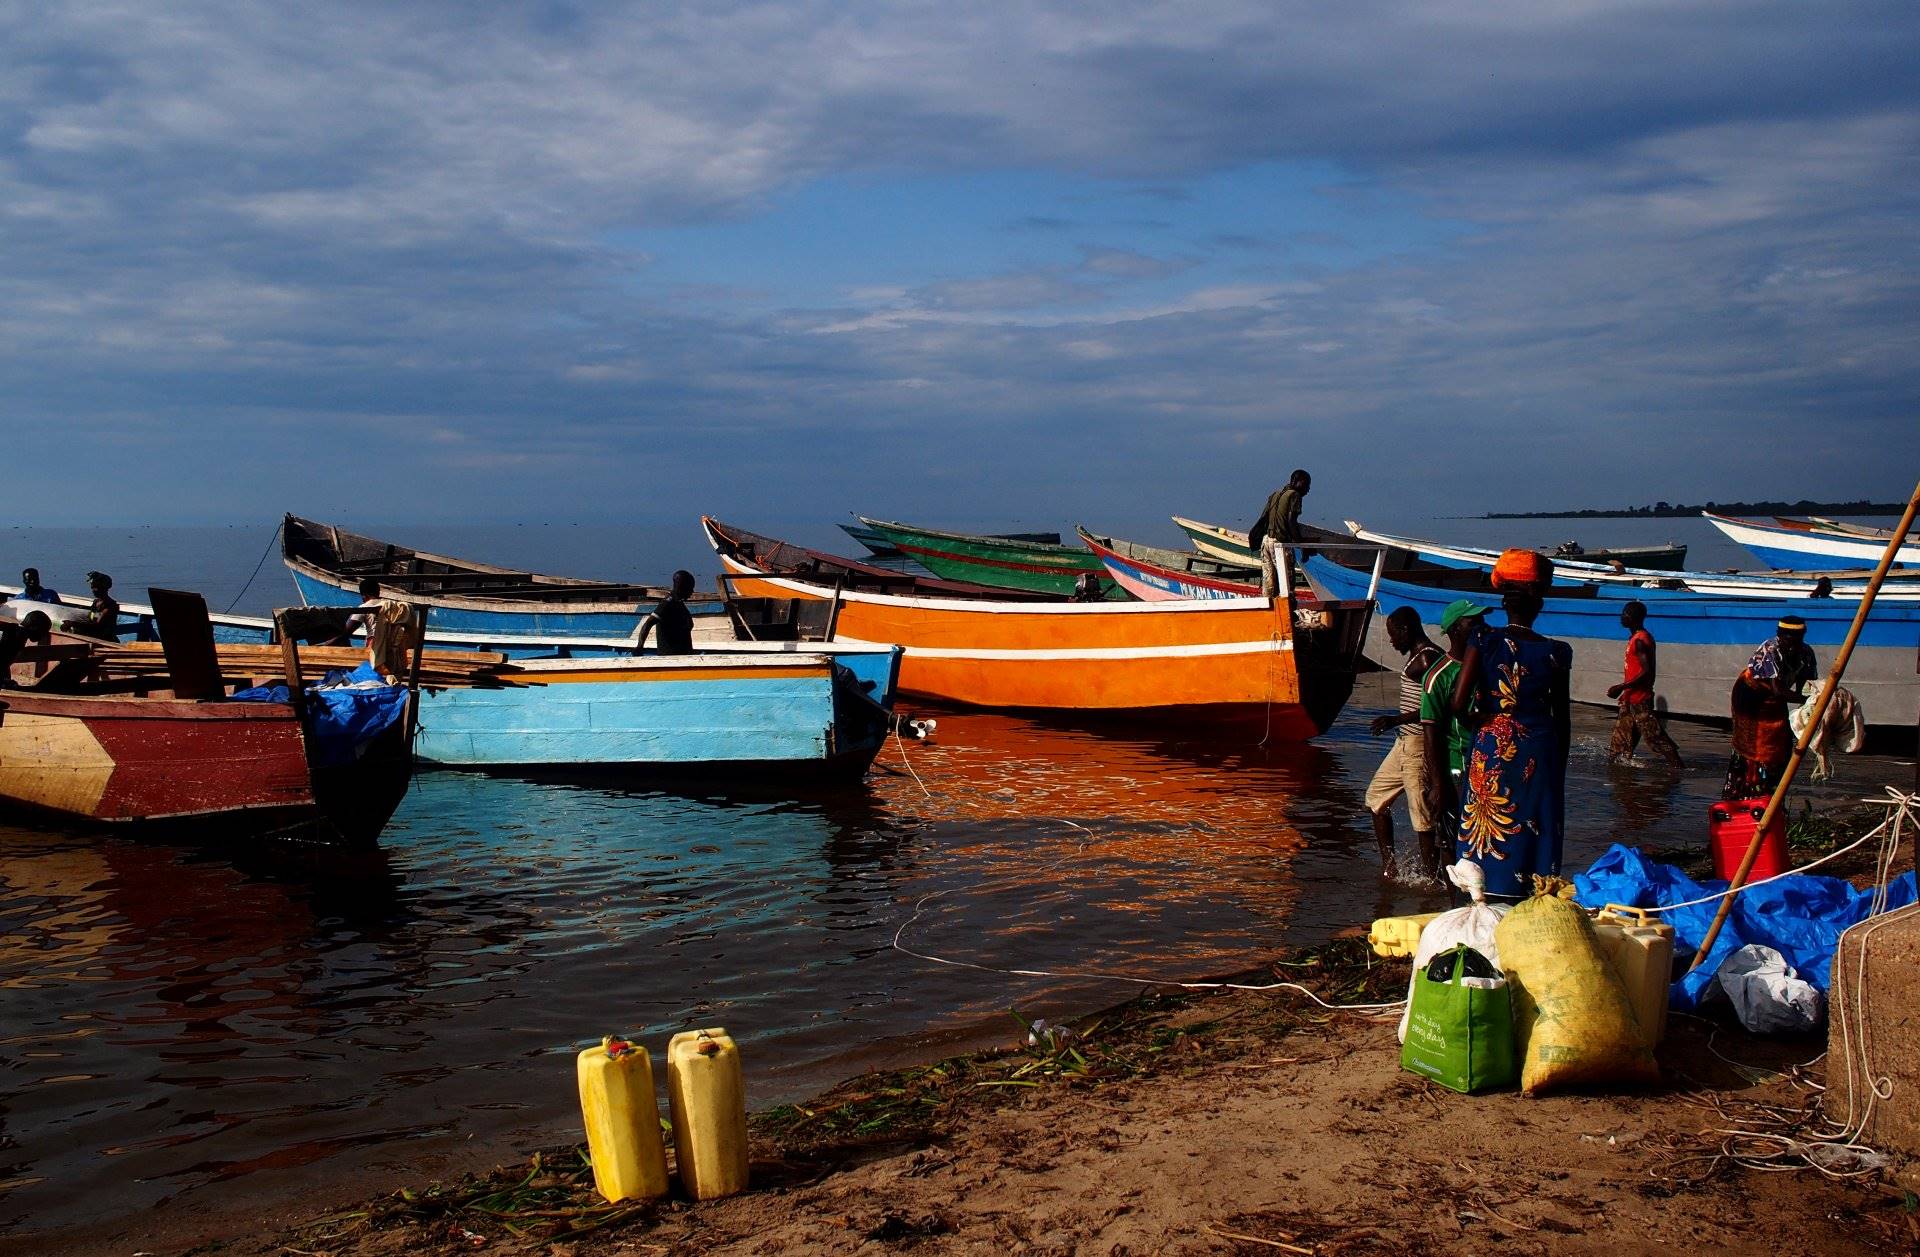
<point x="1446" y="736"/>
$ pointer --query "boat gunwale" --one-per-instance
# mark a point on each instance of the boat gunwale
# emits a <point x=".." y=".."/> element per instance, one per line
<point x="342" y="580"/>
<point x="995" y="607"/>
<point x="1060" y="548"/>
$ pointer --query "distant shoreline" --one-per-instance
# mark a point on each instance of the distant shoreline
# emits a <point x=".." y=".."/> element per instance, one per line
<point x="1663" y="510"/>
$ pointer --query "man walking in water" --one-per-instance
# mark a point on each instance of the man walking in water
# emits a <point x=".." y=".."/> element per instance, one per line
<point x="1404" y="770"/>
<point x="1638" y="717"/>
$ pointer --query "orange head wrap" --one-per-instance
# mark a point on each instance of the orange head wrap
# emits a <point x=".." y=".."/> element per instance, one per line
<point x="1522" y="569"/>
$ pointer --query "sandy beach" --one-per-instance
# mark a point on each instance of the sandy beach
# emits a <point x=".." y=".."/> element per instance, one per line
<point x="1186" y="1122"/>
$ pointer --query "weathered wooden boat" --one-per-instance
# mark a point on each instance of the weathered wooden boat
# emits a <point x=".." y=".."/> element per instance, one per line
<point x="1421" y="558"/>
<point x="1668" y="559"/>
<point x="751" y="716"/>
<point x="1258" y="664"/>
<point x="1704" y="641"/>
<point x="876" y="545"/>
<point x="1153" y="574"/>
<point x="880" y="548"/>
<point x="1000" y="562"/>
<point x="1800" y="544"/>
<point x="170" y="747"/>
<point x="328" y="563"/>
<point x="1229" y="545"/>
<point x="845" y="573"/>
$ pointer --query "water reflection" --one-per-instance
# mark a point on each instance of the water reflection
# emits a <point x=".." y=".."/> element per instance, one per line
<point x="227" y="1025"/>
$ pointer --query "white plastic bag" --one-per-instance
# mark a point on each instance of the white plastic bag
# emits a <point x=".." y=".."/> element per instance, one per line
<point x="1767" y="995"/>
<point x="1472" y="925"/>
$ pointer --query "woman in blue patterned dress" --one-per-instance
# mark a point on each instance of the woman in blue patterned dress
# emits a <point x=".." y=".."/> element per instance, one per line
<point x="1513" y="693"/>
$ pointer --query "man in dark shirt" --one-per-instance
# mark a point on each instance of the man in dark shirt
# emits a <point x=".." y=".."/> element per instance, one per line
<point x="673" y="620"/>
<point x="35" y="628"/>
<point x="103" y="615"/>
<point x="1280" y="518"/>
<point x="31" y="590"/>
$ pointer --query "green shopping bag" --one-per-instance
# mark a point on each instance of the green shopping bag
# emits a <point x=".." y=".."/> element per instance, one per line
<point x="1460" y="1027"/>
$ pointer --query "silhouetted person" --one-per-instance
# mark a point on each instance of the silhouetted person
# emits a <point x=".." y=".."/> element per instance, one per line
<point x="31" y="590"/>
<point x="672" y="618"/>
<point x="1404" y="770"/>
<point x="102" y="619"/>
<point x="35" y="628"/>
<point x="1280" y="518"/>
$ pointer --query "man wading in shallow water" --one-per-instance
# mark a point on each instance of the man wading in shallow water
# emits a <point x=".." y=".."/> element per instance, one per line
<point x="1404" y="770"/>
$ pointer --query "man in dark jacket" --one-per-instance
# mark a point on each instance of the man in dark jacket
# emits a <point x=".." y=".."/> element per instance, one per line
<point x="1280" y="519"/>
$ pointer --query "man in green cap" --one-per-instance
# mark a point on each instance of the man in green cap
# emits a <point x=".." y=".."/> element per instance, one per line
<point x="1446" y="737"/>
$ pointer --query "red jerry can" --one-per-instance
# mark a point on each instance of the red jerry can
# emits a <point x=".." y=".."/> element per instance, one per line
<point x="1731" y="827"/>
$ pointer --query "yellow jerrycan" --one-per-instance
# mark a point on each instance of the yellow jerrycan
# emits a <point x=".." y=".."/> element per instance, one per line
<point x="1639" y="946"/>
<point x="708" y="1100"/>
<point x="623" y="1120"/>
<point x="1398" y="936"/>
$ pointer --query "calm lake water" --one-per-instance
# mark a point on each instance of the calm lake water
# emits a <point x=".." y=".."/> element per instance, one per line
<point x="191" y="1030"/>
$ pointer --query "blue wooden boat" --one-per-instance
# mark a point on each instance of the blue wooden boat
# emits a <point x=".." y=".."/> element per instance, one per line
<point x="871" y="666"/>
<point x="1704" y="641"/>
<point x="1416" y="557"/>
<point x="794" y="712"/>
<point x="328" y="563"/>
<point x="1795" y="543"/>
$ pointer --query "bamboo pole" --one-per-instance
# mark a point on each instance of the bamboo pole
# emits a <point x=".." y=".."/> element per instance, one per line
<point x="1807" y="735"/>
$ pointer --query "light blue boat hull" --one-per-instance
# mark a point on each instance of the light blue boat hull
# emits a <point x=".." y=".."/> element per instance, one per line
<point x="1704" y="642"/>
<point x="791" y="725"/>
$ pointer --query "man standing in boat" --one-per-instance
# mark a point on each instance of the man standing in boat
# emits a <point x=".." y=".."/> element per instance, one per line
<point x="1280" y="518"/>
<point x="1404" y="770"/>
<point x="31" y="590"/>
<point x="102" y="619"/>
<point x="672" y="618"/>
<point x="34" y="629"/>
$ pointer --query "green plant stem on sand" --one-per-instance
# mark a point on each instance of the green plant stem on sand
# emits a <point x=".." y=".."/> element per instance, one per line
<point x="552" y="1198"/>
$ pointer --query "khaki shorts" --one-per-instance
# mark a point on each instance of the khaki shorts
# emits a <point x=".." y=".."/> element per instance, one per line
<point x="1403" y="771"/>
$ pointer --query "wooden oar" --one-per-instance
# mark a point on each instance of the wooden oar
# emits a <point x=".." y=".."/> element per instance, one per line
<point x="1834" y="674"/>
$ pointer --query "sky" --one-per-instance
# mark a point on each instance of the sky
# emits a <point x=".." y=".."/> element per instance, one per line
<point x="959" y="264"/>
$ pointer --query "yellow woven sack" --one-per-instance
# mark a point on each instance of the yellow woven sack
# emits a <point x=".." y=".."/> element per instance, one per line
<point x="1572" y="1019"/>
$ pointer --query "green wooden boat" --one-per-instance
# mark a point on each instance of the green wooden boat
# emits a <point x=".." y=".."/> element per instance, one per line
<point x="1002" y="562"/>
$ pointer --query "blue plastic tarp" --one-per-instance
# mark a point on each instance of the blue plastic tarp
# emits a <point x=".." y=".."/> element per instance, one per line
<point x="341" y="720"/>
<point x="1800" y="916"/>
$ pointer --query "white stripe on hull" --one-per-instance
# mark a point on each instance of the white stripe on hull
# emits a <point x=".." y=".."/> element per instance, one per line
<point x="1095" y="652"/>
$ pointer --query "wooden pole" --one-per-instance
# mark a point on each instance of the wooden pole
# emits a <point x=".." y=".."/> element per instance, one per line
<point x="289" y="662"/>
<point x="1807" y="735"/>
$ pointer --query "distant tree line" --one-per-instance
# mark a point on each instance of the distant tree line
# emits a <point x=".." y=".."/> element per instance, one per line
<point x="1668" y="510"/>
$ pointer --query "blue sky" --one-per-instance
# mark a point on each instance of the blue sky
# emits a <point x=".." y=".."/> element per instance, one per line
<point x="963" y="265"/>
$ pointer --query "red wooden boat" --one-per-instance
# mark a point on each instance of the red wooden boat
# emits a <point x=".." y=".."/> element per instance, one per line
<point x="126" y="760"/>
<point x="133" y="752"/>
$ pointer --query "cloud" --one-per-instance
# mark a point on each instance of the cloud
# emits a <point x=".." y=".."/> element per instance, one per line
<point x="1678" y="237"/>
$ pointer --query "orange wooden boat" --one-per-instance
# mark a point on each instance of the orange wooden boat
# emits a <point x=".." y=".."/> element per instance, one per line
<point x="1284" y="670"/>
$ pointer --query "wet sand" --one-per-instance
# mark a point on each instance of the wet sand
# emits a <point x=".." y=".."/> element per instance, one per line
<point x="1229" y="1122"/>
